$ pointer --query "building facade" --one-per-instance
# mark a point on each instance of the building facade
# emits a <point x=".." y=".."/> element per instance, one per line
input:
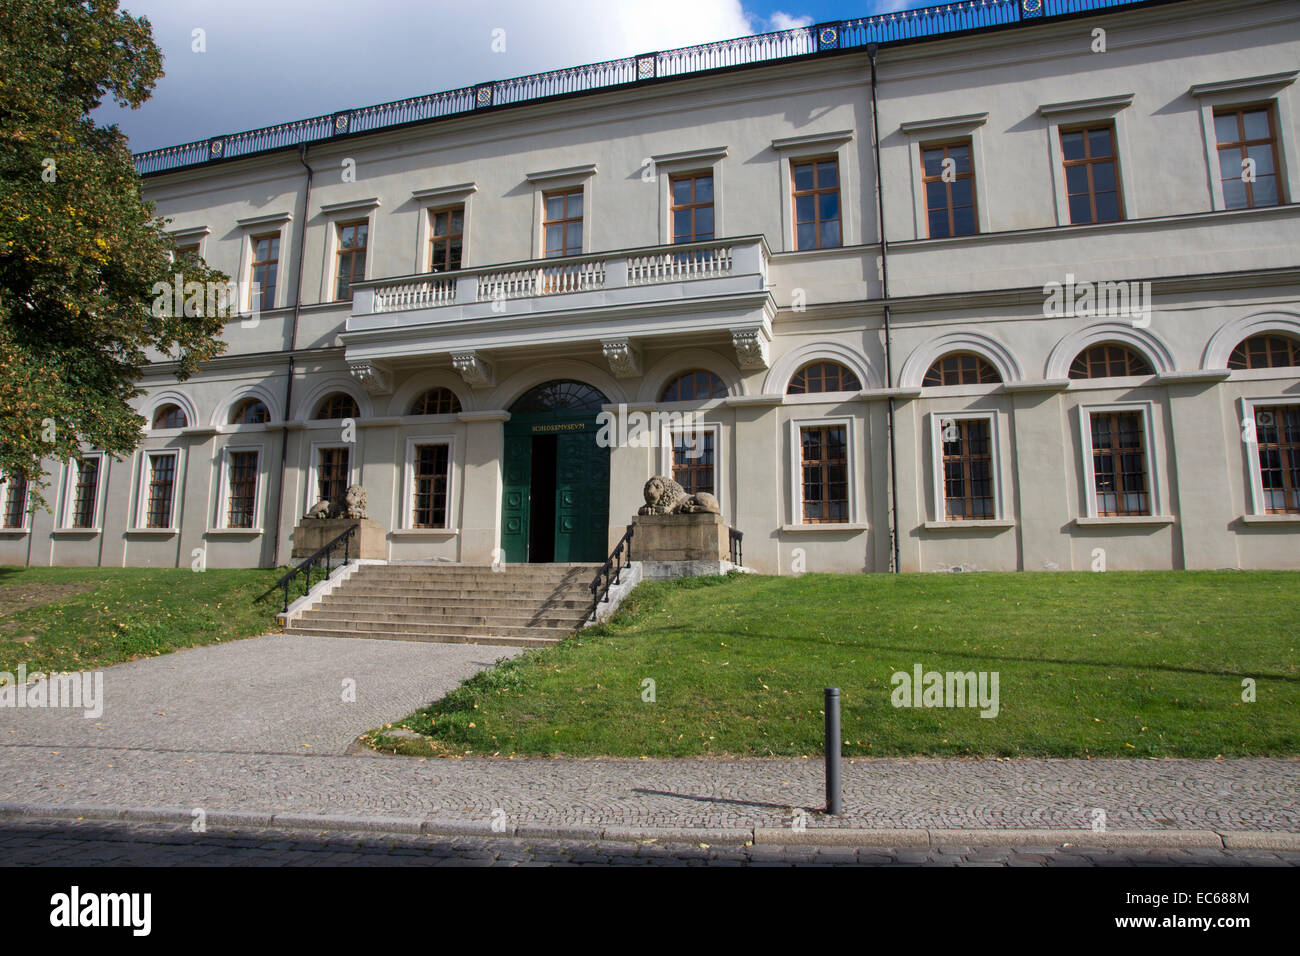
<point x="1007" y="288"/>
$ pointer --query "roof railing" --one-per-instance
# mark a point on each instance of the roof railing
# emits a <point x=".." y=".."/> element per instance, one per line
<point x="905" y="25"/>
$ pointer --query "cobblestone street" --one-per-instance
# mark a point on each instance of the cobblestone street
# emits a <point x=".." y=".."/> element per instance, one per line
<point x="125" y="844"/>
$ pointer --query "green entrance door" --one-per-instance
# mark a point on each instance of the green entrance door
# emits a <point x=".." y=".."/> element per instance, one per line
<point x="555" y="505"/>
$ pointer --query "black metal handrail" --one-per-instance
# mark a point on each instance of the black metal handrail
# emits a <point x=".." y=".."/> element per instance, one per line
<point x="734" y="539"/>
<point x="325" y="554"/>
<point x="610" y="571"/>
<point x="902" y="26"/>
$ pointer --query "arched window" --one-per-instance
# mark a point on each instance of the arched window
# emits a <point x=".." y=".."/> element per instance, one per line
<point x="436" y="401"/>
<point x="1266" y="351"/>
<point x="250" y="411"/>
<point x="693" y="385"/>
<point x="337" y="405"/>
<point x="823" y="377"/>
<point x="559" y="396"/>
<point x="170" y="416"/>
<point x="961" y="368"/>
<point x="1109" y="360"/>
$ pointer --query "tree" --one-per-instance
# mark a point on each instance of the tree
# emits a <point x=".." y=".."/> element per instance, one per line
<point x="80" y="249"/>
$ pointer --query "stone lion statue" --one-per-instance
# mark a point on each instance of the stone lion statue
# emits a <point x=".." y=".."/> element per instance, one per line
<point x="320" y="510"/>
<point x="663" y="496"/>
<point x="356" y="500"/>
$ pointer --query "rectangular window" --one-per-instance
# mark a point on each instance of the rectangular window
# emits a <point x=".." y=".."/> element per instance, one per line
<point x="15" y="511"/>
<point x="1277" y="435"/>
<point x="967" y="469"/>
<point x="85" y="492"/>
<point x="266" y="263"/>
<point x="351" y="256"/>
<point x="1247" y="142"/>
<point x="1091" y="174"/>
<point x="949" y="178"/>
<point x="693" y="461"/>
<point x="187" y="251"/>
<point x="562" y="223"/>
<point x="825" y="474"/>
<point x="332" y="475"/>
<point x="692" y="207"/>
<point x="1119" y="464"/>
<point x="242" y="489"/>
<point x="429" y="496"/>
<point x="816" y="203"/>
<point x="162" y="482"/>
<point x="446" y="238"/>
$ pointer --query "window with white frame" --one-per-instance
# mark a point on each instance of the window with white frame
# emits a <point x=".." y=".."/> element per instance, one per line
<point x="428" y="483"/>
<point x="157" y="500"/>
<point x="1117" y="460"/>
<point x="15" y="502"/>
<point x="331" y="473"/>
<point x="1271" y="430"/>
<point x="239" y="488"/>
<point x="691" y="455"/>
<point x="81" y="496"/>
<point x="822" y="471"/>
<point x="964" y="449"/>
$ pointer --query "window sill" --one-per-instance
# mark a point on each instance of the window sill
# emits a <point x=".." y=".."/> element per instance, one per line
<point x="75" y="532"/>
<point x="14" y="532"/>
<point x="831" y="526"/>
<point x="232" y="532"/>
<point x="152" y="532"/>
<point x="1133" y="520"/>
<point x="1271" y="519"/>
<point x="424" y="533"/>
<point x="979" y="524"/>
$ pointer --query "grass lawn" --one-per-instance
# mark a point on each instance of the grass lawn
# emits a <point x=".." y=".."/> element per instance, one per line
<point x="65" y="619"/>
<point x="1140" y="664"/>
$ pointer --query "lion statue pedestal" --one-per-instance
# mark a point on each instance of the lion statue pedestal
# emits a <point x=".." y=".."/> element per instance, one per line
<point x="326" y="520"/>
<point x="679" y="535"/>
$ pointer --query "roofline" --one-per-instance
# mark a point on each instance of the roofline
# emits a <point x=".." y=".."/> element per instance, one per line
<point x="941" y="22"/>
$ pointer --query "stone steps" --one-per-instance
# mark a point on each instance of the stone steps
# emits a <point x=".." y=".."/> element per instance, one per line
<point x="520" y="605"/>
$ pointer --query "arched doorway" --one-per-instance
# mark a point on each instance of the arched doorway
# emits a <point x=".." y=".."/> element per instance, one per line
<point x="555" y="503"/>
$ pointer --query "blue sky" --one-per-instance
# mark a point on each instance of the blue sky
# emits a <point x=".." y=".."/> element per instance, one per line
<point x="272" y="61"/>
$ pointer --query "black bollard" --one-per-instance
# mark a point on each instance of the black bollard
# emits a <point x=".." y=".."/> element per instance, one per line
<point x="834" y="799"/>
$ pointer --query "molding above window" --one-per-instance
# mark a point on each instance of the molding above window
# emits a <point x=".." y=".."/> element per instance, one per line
<point x="547" y="176"/>
<point x="194" y="234"/>
<point x="1253" y="85"/>
<point x="354" y="207"/>
<point x="258" y="222"/>
<point x="690" y="157"/>
<point x="439" y="194"/>
<point x="814" y="142"/>
<point x="1100" y="106"/>
<point x="944" y="125"/>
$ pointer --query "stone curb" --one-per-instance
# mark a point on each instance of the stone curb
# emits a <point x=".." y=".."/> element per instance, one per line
<point x="768" y="836"/>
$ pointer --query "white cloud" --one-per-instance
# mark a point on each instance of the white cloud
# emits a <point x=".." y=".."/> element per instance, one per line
<point x="271" y="62"/>
<point x="784" y="21"/>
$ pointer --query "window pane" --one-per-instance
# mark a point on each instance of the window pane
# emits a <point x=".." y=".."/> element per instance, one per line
<point x="829" y="206"/>
<point x="575" y="205"/>
<point x="803" y="177"/>
<point x="807" y="236"/>
<point x="704" y="222"/>
<point x="1229" y="164"/>
<point x="1234" y="194"/>
<point x="932" y="160"/>
<point x="830" y="235"/>
<point x="1080" y="209"/>
<point x="1225" y="128"/>
<point x="828" y="175"/>
<point x="1265" y="190"/>
<point x="965" y="221"/>
<point x="1072" y="145"/>
<point x="554" y="207"/>
<point x="936" y="195"/>
<point x="1099" y="142"/>
<point x="704" y="189"/>
<point x="803" y="209"/>
<point x="939" y="224"/>
<point x="1263" y="157"/>
<point x="682" y="223"/>
<point x="962" y="156"/>
<point x="962" y="194"/>
<point x="1256" y="122"/>
<point x="681" y="191"/>
<point x="1076" y="179"/>
<point x="1107" y="207"/>
<point x="1103" y="176"/>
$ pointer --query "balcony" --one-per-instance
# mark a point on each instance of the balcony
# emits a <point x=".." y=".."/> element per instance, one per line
<point x="683" y="289"/>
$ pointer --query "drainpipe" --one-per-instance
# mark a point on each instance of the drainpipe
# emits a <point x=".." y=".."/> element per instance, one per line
<point x="293" y="348"/>
<point x="872" y="49"/>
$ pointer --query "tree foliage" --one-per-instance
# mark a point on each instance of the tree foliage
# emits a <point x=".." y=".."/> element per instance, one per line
<point x="80" y="249"/>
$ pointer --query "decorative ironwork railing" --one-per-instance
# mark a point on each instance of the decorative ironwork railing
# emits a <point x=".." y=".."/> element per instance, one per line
<point x="941" y="19"/>
<point x="608" y="575"/>
<point x="324" y="558"/>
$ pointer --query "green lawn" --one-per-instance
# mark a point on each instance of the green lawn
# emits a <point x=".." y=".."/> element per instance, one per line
<point x="1142" y="664"/>
<point x="62" y="619"/>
